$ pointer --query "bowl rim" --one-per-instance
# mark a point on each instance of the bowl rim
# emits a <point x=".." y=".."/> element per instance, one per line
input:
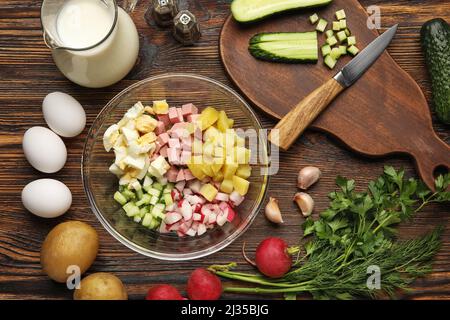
<point x="132" y="245"/>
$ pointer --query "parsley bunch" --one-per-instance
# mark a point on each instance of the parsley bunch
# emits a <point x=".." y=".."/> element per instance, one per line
<point x="356" y="232"/>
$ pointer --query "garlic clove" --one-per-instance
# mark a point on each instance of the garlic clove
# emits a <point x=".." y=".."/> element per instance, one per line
<point x="272" y="211"/>
<point x="305" y="203"/>
<point x="307" y="177"/>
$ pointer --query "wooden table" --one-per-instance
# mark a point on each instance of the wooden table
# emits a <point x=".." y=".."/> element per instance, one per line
<point x="27" y="74"/>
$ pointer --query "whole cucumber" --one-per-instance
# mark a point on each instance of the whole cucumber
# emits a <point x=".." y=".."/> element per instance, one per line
<point x="435" y="38"/>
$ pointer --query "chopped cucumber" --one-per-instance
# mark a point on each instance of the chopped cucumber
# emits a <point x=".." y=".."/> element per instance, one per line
<point x="163" y="181"/>
<point x="330" y="62"/>
<point x="146" y="198"/>
<point x="147" y="181"/>
<point x="343" y="50"/>
<point x="136" y="185"/>
<point x="128" y="194"/>
<point x="157" y="186"/>
<point x="329" y="33"/>
<point x="326" y="50"/>
<point x="120" y="198"/>
<point x="168" y="199"/>
<point x="154" y="192"/>
<point x="147" y="220"/>
<point x="131" y="209"/>
<point x="154" y="200"/>
<point x="322" y="25"/>
<point x="353" y="50"/>
<point x="335" y="53"/>
<point x="332" y="41"/>
<point x="139" y="194"/>
<point x="348" y="32"/>
<point x="343" y="24"/>
<point x="351" y="41"/>
<point x="336" y="26"/>
<point x="153" y="224"/>
<point x="340" y="14"/>
<point x="341" y="36"/>
<point x="314" y="18"/>
<point x="143" y="211"/>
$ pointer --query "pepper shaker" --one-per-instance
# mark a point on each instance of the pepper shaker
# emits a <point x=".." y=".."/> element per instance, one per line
<point x="162" y="11"/>
<point x="186" y="29"/>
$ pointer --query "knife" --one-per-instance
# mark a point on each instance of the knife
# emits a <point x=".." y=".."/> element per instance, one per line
<point x="298" y="119"/>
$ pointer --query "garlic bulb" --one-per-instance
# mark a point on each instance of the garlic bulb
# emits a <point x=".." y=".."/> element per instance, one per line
<point x="307" y="177"/>
<point x="305" y="203"/>
<point x="272" y="211"/>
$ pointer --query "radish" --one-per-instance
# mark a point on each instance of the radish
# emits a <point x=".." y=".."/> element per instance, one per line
<point x="180" y="185"/>
<point x="191" y="232"/>
<point x="203" y="285"/>
<point x="230" y="213"/>
<point x="221" y="219"/>
<point x="197" y="217"/>
<point x="236" y="198"/>
<point x="175" y="226"/>
<point x="172" y="217"/>
<point x="272" y="257"/>
<point x="201" y="229"/>
<point x="163" y="228"/>
<point x="163" y="292"/>
<point x="197" y="208"/>
<point x="222" y="197"/>
<point x="176" y="195"/>
<point x="186" y="210"/>
<point x="187" y="191"/>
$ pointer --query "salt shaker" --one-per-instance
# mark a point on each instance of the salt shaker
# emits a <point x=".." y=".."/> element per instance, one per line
<point x="186" y="29"/>
<point x="162" y="11"/>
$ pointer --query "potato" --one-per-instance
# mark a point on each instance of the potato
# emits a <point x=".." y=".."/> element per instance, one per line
<point x="101" y="286"/>
<point x="69" y="243"/>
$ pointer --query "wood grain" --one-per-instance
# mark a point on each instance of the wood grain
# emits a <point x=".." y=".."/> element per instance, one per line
<point x="27" y="74"/>
<point x="384" y="112"/>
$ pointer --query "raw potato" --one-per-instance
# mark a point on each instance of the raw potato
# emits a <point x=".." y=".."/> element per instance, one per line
<point x="69" y="243"/>
<point x="101" y="286"/>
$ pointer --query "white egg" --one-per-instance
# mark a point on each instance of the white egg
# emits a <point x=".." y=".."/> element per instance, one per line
<point x="46" y="198"/>
<point x="44" y="150"/>
<point x="64" y="114"/>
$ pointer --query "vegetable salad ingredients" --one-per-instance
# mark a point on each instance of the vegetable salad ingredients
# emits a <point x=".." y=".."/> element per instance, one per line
<point x="101" y="286"/>
<point x="357" y="231"/>
<point x="272" y="211"/>
<point x="272" y="258"/>
<point x="71" y="243"/>
<point x="163" y="292"/>
<point x="288" y="47"/>
<point x="253" y="10"/>
<point x="435" y="38"/>
<point x="179" y="171"/>
<point x="305" y="203"/>
<point x="204" y="285"/>
<point x="307" y="177"/>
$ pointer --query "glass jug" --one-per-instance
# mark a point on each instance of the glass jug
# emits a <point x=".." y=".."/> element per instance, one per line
<point x="94" y="43"/>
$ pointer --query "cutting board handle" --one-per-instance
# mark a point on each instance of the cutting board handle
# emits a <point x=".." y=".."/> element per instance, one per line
<point x="434" y="153"/>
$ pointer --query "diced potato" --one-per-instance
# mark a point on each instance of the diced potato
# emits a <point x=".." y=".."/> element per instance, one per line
<point x="197" y="147"/>
<point x="219" y="152"/>
<point x="208" y="191"/>
<point x="208" y="117"/>
<point x="240" y="142"/>
<point x="195" y="165"/>
<point x="226" y="186"/>
<point x="207" y="170"/>
<point x="222" y="122"/>
<point x="244" y="171"/>
<point x="146" y="123"/>
<point x="208" y="149"/>
<point x="229" y="169"/>
<point x="211" y="134"/>
<point x="242" y="155"/>
<point x="147" y="138"/>
<point x="240" y="185"/>
<point x="218" y="177"/>
<point x="160" y="107"/>
<point x="230" y="123"/>
<point x="217" y="165"/>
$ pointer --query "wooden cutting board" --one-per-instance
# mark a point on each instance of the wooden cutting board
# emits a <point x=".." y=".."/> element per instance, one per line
<point x="385" y="112"/>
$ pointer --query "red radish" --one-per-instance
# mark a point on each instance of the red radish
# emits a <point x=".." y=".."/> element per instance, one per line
<point x="222" y="197"/>
<point x="176" y="195"/>
<point x="203" y="285"/>
<point x="172" y="217"/>
<point x="236" y="198"/>
<point x="163" y="228"/>
<point x="187" y="191"/>
<point x="221" y="219"/>
<point x="186" y="210"/>
<point x="272" y="258"/>
<point x="197" y="217"/>
<point x="191" y="232"/>
<point x="201" y="229"/>
<point x="174" y="227"/>
<point x="231" y="214"/>
<point x="197" y="208"/>
<point x="163" y="292"/>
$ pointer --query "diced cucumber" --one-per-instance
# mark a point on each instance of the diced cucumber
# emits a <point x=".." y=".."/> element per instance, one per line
<point x="326" y="50"/>
<point x="335" y="53"/>
<point x="140" y="194"/>
<point x="137" y="219"/>
<point x="348" y="32"/>
<point x="157" y="186"/>
<point x="147" y="220"/>
<point x="314" y="18"/>
<point x="131" y="209"/>
<point x="322" y="25"/>
<point x="351" y="41"/>
<point x="163" y="181"/>
<point x="332" y="41"/>
<point x="154" y="192"/>
<point x="130" y="195"/>
<point x="343" y="50"/>
<point x="168" y="199"/>
<point x="343" y="24"/>
<point x="336" y="26"/>
<point x="146" y="198"/>
<point x="120" y="198"/>
<point x="158" y="212"/>
<point x="143" y="211"/>
<point x="154" y="224"/>
<point x="353" y="50"/>
<point x="341" y="36"/>
<point x="136" y="185"/>
<point x="329" y="33"/>
<point x="340" y="14"/>
<point x="330" y="62"/>
<point x="147" y="181"/>
<point x="154" y="200"/>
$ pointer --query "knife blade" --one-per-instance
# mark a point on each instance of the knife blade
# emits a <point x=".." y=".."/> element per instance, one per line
<point x="305" y="112"/>
<point x="364" y="60"/>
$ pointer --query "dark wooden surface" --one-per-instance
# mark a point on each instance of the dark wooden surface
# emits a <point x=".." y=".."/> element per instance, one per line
<point x="384" y="112"/>
<point x="27" y="74"/>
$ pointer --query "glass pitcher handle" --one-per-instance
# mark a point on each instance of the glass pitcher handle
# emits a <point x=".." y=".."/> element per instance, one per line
<point x="49" y="41"/>
<point x="129" y="5"/>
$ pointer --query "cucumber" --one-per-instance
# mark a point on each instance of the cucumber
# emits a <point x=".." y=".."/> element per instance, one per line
<point x="435" y="38"/>
<point x="246" y="11"/>
<point x="322" y="25"/>
<point x="314" y="18"/>
<point x="288" y="47"/>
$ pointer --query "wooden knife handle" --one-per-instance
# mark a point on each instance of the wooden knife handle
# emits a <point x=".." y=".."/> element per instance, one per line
<point x="299" y="118"/>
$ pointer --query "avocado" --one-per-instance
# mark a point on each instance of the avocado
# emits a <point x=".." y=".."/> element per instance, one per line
<point x="435" y="39"/>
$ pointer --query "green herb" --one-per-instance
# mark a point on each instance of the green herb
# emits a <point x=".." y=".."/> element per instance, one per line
<point x="354" y="234"/>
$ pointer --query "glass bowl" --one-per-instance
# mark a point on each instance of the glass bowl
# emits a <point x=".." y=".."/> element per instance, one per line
<point x="100" y="184"/>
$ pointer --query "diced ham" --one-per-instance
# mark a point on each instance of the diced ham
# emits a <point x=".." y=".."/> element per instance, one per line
<point x="180" y="133"/>
<point x="164" y="118"/>
<point x="180" y="115"/>
<point x="180" y="176"/>
<point x="188" y="175"/>
<point x="192" y="118"/>
<point x="195" y="185"/>
<point x="160" y="128"/>
<point x="174" y="143"/>
<point x="163" y="151"/>
<point x="186" y="144"/>
<point x="172" y="174"/>
<point x="174" y="156"/>
<point x="187" y="192"/>
<point x="173" y="115"/>
<point x="185" y="156"/>
<point x="163" y="139"/>
<point x="188" y="109"/>
<point x="180" y="185"/>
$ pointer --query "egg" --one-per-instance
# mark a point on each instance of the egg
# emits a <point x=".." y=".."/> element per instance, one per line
<point x="44" y="150"/>
<point x="63" y="114"/>
<point x="46" y="198"/>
